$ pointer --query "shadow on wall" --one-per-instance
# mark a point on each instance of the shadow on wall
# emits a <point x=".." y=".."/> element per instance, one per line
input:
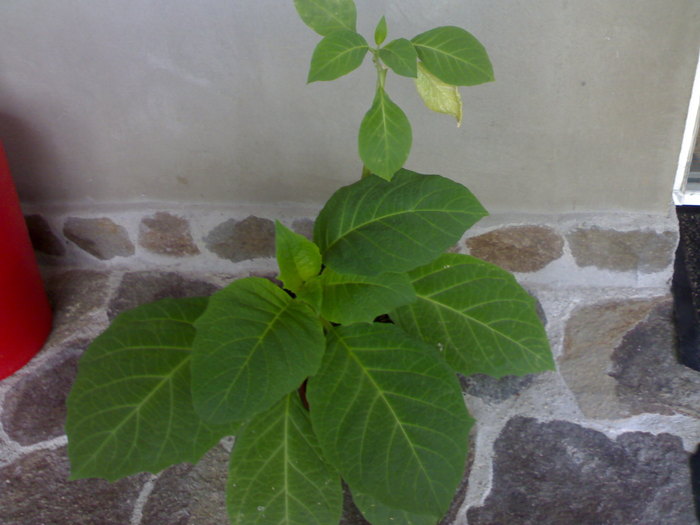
<point x="29" y="156"/>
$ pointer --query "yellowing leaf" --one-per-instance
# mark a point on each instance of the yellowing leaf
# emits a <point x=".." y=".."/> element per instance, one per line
<point x="438" y="95"/>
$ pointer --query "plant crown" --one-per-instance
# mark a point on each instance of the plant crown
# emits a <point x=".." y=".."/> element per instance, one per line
<point x="316" y="391"/>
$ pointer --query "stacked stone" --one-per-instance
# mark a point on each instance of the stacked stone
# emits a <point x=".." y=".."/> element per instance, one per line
<point x="161" y="234"/>
<point x="606" y="438"/>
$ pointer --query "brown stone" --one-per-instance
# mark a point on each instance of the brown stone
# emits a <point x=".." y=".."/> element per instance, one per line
<point x="35" y="408"/>
<point x="75" y="295"/>
<point x="561" y="473"/>
<point x="592" y="333"/>
<point x="304" y="227"/>
<point x="102" y="237"/>
<point x="518" y="248"/>
<point x="137" y="288"/>
<point x="190" y="494"/>
<point x="167" y="234"/>
<point x="238" y="241"/>
<point x="36" y="490"/>
<point x="645" y="251"/>
<point x="44" y="240"/>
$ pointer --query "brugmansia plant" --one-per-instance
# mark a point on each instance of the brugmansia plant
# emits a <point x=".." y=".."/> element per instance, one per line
<point x="315" y="388"/>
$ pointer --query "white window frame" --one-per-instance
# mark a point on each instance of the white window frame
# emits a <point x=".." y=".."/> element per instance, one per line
<point x="685" y="193"/>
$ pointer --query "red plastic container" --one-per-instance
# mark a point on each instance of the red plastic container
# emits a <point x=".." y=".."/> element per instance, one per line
<point x="25" y="315"/>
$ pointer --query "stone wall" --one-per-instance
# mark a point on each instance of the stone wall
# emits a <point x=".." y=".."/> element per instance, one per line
<point x="606" y="438"/>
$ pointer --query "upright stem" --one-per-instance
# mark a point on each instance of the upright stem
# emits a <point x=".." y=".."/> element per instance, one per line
<point x="381" y="81"/>
<point x="381" y="70"/>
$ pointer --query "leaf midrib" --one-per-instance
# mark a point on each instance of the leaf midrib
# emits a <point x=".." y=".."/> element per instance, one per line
<point x="332" y="15"/>
<point x="136" y="410"/>
<point x="339" y="58"/>
<point x="440" y="305"/>
<point x="250" y="354"/>
<point x="392" y="215"/>
<point x="438" y="50"/>
<point x="391" y="410"/>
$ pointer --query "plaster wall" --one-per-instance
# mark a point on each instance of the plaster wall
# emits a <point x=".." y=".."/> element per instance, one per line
<point x="206" y="102"/>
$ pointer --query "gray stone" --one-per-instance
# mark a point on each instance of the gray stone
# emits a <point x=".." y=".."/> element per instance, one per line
<point x="238" y="241"/>
<point x="518" y="248"/>
<point x="101" y="237"/>
<point x="167" y="234"/>
<point x="592" y="333"/>
<point x="36" y="491"/>
<point x="137" y="288"/>
<point x="44" y="240"/>
<point x="75" y="295"/>
<point x="495" y="389"/>
<point x="562" y="473"/>
<point x="304" y="227"/>
<point x="610" y="351"/>
<point x="648" y="375"/>
<point x="645" y="251"/>
<point x="190" y="494"/>
<point x="35" y="408"/>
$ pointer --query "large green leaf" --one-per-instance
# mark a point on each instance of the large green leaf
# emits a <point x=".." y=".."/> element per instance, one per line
<point x="298" y="258"/>
<point x="401" y="57"/>
<point x="276" y="474"/>
<point x="327" y="16"/>
<point x="389" y="415"/>
<point x="438" y="96"/>
<point x="478" y="315"/>
<point x="348" y="299"/>
<point x="130" y="409"/>
<point x="379" y="514"/>
<point x="374" y="226"/>
<point x="454" y="55"/>
<point x="254" y="344"/>
<point x="385" y="136"/>
<point x="336" y="55"/>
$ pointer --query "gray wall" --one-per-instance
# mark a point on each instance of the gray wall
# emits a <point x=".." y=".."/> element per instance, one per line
<point x="206" y="101"/>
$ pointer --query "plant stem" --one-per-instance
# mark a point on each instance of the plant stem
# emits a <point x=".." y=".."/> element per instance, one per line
<point x="381" y="81"/>
<point x="381" y="70"/>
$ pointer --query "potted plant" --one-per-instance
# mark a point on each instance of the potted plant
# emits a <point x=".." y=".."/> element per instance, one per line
<point x="315" y="389"/>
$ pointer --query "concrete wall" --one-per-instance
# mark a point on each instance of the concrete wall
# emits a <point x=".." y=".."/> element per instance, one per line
<point x="154" y="100"/>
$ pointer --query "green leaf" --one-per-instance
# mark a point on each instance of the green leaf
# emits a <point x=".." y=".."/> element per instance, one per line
<point x="336" y="55"/>
<point x="380" y="32"/>
<point x="401" y="57"/>
<point x="298" y="258"/>
<point x="254" y="344"/>
<point x="385" y="136"/>
<point x="276" y="474"/>
<point x="379" y="514"/>
<point x="454" y="56"/>
<point x="351" y="299"/>
<point x="478" y="316"/>
<point x="374" y="226"/>
<point x="130" y="409"/>
<point x="312" y="293"/>
<point x="390" y="416"/>
<point x="438" y="96"/>
<point x="327" y="16"/>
